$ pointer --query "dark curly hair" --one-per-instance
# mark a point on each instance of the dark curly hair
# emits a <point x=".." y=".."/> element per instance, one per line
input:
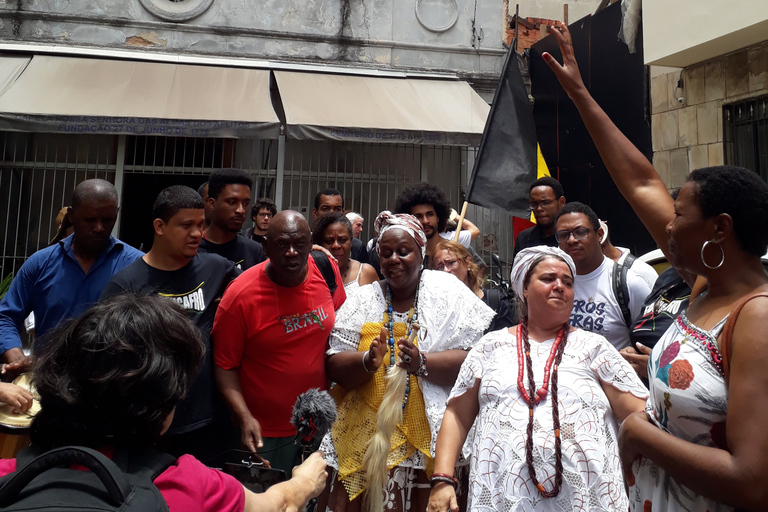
<point x="220" y="178"/>
<point x="263" y="202"/>
<point x="548" y="181"/>
<point x="740" y="193"/>
<point x="577" y="207"/>
<point x="114" y="374"/>
<point x="425" y="193"/>
<point x="329" y="219"/>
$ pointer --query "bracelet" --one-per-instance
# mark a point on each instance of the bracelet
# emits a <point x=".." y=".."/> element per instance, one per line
<point x="422" y="371"/>
<point x="437" y="478"/>
<point x="364" y="367"/>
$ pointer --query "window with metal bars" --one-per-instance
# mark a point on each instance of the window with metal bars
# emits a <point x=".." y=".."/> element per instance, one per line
<point x="745" y="133"/>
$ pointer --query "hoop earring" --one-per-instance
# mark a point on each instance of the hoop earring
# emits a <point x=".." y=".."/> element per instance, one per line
<point x="722" y="256"/>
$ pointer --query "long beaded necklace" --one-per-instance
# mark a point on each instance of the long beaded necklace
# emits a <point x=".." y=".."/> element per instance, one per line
<point x="411" y="322"/>
<point x="532" y="399"/>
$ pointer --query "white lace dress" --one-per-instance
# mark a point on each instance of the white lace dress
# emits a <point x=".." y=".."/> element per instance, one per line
<point x="451" y="316"/>
<point x="499" y="478"/>
<point x="352" y="287"/>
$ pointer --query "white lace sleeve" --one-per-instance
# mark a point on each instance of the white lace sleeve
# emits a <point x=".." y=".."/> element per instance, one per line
<point x="454" y="316"/>
<point x="614" y="370"/>
<point x="359" y="308"/>
<point x="473" y="367"/>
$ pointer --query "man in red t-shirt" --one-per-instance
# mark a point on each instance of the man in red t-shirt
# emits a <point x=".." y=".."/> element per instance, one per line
<point x="270" y="336"/>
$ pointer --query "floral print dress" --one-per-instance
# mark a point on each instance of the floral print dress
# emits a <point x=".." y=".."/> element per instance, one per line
<point x="689" y="399"/>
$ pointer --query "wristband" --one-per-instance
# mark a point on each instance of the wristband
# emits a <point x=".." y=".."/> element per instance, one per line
<point x="365" y="367"/>
<point x="437" y="478"/>
<point x="422" y="371"/>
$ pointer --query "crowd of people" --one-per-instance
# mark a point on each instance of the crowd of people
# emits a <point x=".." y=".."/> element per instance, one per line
<point x="605" y="387"/>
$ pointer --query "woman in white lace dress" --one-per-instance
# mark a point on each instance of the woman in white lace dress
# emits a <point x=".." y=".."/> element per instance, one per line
<point x="333" y="231"/>
<point x="393" y="393"/>
<point x="547" y="398"/>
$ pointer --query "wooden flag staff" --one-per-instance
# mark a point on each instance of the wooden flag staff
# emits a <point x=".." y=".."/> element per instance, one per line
<point x="460" y="222"/>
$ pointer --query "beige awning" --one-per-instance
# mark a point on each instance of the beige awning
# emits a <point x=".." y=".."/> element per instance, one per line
<point x="11" y="67"/>
<point x="374" y="109"/>
<point x="87" y="95"/>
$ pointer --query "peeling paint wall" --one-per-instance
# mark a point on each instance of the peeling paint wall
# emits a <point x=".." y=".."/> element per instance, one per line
<point x="371" y="33"/>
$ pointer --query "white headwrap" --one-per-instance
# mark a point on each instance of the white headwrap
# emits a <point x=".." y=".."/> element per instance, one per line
<point x="524" y="259"/>
<point x="386" y="220"/>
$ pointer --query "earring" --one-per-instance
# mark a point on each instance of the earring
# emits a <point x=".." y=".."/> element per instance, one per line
<point x="722" y="255"/>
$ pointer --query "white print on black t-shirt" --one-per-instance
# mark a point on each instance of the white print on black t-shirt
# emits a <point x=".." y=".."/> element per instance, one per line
<point x="662" y="306"/>
<point x="588" y="315"/>
<point x="299" y="321"/>
<point x="190" y="301"/>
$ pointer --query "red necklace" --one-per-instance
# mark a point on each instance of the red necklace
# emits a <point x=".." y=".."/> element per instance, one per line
<point x="542" y="392"/>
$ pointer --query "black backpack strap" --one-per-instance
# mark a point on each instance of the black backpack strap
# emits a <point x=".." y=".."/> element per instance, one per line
<point x="326" y="269"/>
<point x="620" y="287"/>
<point x="114" y="480"/>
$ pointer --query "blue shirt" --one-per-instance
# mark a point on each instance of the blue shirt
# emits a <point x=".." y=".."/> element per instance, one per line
<point x="53" y="285"/>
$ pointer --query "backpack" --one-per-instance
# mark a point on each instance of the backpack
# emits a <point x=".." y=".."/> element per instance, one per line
<point x="326" y="269"/>
<point x="620" y="288"/>
<point x="44" y="481"/>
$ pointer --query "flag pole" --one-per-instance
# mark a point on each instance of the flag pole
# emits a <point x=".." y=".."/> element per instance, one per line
<point x="460" y="222"/>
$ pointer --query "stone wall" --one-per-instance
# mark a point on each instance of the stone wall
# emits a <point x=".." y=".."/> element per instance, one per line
<point x="688" y="134"/>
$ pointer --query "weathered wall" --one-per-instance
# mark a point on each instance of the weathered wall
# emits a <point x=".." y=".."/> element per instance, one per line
<point x="685" y="32"/>
<point x="373" y="33"/>
<point x="688" y="135"/>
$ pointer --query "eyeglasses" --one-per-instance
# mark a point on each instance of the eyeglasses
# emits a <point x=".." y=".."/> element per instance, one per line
<point x="447" y="265"/>
<point x="579" y="234"/>
<point x="264" y="214"/>
<point x="534" y="204"/>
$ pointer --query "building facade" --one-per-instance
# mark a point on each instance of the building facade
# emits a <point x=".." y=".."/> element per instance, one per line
<point x="709" y="97"/>
<point x="366" y="97"/>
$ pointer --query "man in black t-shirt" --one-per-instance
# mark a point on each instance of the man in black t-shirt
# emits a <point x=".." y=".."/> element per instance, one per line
<point x="229" y="196"/>
<point x="174" y="269"/>
<point x="545" y="197"/>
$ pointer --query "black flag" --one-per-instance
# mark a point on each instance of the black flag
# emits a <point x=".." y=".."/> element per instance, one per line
<point x="506" y="163"/>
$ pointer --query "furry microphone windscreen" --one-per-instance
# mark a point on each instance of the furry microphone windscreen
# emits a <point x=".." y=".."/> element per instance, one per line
<point x="313" y="415"/>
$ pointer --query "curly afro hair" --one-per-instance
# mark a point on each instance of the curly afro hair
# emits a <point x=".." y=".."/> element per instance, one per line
<point x="425" y="193"/>
<point x="740" y="193"/>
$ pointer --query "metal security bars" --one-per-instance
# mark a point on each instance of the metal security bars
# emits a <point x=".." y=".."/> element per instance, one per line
<point x="746" y="135"/>
<point x="39" y="171"/>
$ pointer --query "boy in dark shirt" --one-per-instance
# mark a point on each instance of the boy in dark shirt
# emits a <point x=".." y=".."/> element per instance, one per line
<point x="174" y="269"/>
<point x="229" y="196"/>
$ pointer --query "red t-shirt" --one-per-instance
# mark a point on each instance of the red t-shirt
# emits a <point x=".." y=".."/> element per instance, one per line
<point x="189" y="486"/>
<point x="277" y="337"/>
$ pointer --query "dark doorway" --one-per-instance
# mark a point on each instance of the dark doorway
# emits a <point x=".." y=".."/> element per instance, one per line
<point x="139" y="193"/>
<point x="618" y="82"/>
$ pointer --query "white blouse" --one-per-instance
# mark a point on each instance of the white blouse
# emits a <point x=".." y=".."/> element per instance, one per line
<point x="592" y="478"/>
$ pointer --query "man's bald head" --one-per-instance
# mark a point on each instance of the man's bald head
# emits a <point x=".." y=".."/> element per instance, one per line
<point x="93" y="191"/>
<point x="287" y="221"/>
<point x="287" y="246"/>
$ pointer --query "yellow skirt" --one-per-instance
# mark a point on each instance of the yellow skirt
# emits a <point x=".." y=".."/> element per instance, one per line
<point x="356" y="422"/>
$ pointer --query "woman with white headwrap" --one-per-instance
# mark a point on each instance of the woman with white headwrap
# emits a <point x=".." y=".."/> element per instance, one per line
<point x="394" y="354"/>
<point x="547" y="398"/>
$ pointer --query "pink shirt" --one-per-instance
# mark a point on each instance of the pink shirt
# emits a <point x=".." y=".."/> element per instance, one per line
<point x="189" y="486"/>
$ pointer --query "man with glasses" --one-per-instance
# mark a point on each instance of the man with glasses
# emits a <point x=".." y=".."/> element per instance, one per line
<point x="596" y="307"/>
<point x="261" y="213"/>
<point x="545" y="198"/>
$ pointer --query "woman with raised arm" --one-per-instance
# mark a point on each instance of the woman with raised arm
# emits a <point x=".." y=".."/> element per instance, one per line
<point x="701" y="443"/>
<point x="547" y="398"/>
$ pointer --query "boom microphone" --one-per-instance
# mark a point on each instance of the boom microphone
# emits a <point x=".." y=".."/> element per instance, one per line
<point x="313" y="416"/>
